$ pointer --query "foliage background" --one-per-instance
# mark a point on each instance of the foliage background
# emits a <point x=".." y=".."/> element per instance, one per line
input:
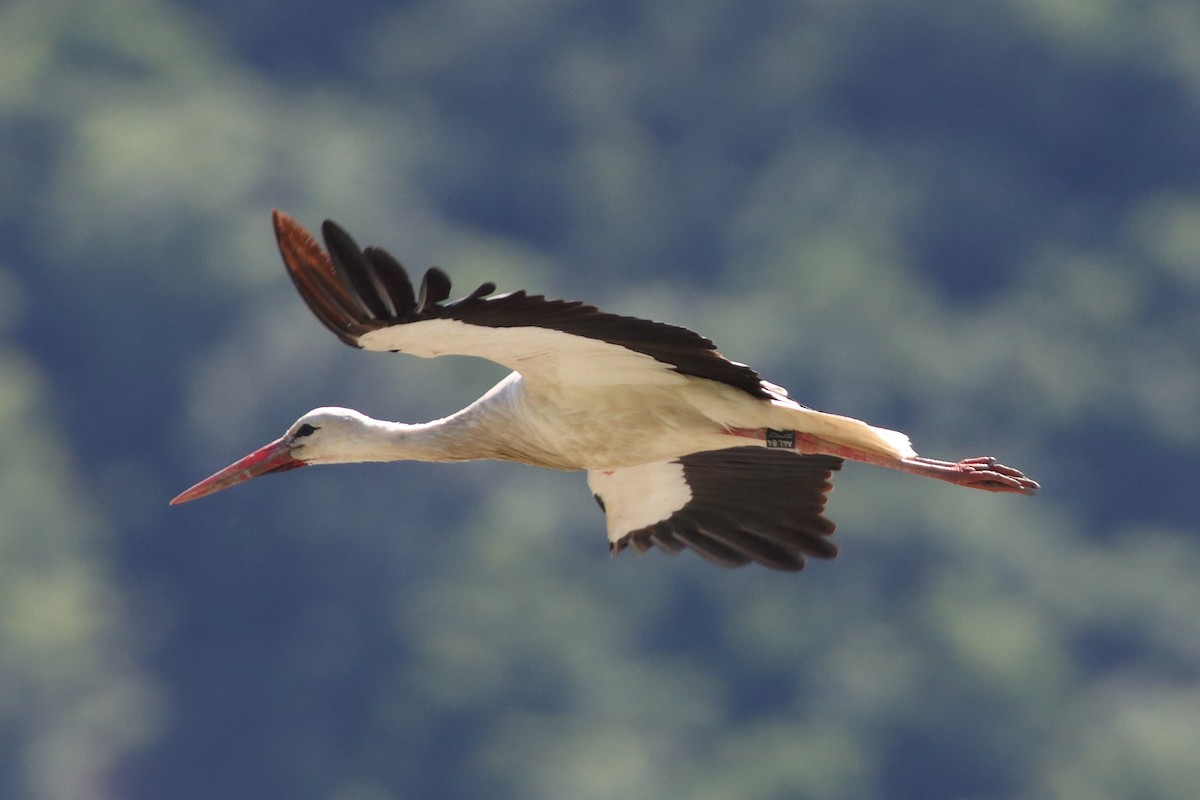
<point x="975" y="221"/>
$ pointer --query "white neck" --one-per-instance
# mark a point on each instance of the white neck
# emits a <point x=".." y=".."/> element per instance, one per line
<point x="491" y="427"/>
<point x="449" y="439"/>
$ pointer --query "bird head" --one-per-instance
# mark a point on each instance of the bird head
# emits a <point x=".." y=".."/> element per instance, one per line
<point x="320" y="436"/>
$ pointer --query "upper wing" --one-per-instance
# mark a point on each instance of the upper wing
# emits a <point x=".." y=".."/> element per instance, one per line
<point x="731" y="506"/>
<point x="367" y="299"/>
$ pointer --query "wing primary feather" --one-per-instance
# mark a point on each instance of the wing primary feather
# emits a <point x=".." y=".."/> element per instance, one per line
<point x="482" y="291"/>
<point x="435" y="287"/>
<point x="778" y="530"/>
<point x="716" y="551"/>
<point x="377" y="288"/>
<point x="662" y="538"/>
<point x="312" y="271"/>
<point x="395" y="280"/>
<point x="733" y="535"/>
<point x="352" y="270"/>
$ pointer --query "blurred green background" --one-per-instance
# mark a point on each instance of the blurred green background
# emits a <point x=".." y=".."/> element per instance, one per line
<point x="978" y="222"/>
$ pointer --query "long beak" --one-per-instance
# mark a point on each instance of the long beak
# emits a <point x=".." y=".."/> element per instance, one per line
<point x="274" y="457"/>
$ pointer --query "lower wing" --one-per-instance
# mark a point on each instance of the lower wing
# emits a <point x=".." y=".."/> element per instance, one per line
<point x="731" y="506"/>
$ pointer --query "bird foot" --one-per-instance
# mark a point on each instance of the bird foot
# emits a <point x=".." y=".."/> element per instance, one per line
<point x="981" y="472"/>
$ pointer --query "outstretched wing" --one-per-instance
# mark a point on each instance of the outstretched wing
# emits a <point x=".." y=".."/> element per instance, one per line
<point x="367" y="299"/>
<point x="731" y="506"/>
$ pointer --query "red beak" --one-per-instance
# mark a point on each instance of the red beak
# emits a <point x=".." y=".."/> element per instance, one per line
<point x="274" y="457"/>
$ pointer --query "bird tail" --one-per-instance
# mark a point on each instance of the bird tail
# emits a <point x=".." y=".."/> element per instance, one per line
<point x="848" y="431"/>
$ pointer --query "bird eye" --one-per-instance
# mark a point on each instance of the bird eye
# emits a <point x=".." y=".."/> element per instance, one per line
<point x="305" y="430"/>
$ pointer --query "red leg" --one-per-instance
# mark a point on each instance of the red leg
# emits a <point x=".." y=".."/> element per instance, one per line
<point x="981" y="472"/>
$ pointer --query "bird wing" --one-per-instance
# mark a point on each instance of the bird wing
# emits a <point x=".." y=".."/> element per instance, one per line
<point x="731" y="506"/>
<point x="367" y="299"/>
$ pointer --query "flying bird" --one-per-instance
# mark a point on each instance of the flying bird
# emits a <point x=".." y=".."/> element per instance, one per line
<point x="683" y="448"/>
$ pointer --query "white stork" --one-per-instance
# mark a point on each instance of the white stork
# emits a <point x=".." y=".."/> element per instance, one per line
<point x="682" y="447"/>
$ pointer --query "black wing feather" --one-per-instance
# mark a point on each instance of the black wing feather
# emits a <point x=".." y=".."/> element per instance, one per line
<point x="435" y="287"/>
<point x="357" y="273"/>
<point x="394" y="280"/>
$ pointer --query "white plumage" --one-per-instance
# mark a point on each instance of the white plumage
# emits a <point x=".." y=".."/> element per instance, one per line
<point x="543" y="355"/>
<point x="638" y="497"/>
<point x="683" y="447"/>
